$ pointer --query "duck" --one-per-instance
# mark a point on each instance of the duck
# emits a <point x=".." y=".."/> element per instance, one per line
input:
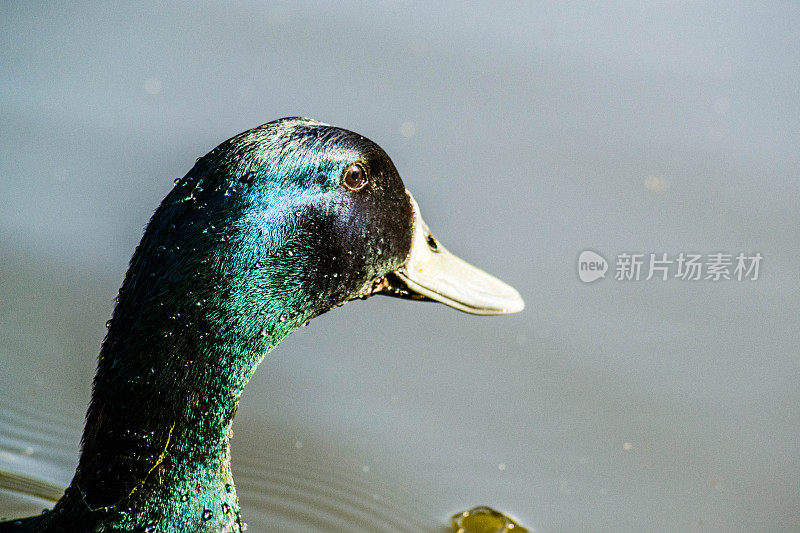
<point x="273" y="227"/>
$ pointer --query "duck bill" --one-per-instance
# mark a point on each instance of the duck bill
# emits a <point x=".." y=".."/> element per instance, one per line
<point x="431" y="272"/>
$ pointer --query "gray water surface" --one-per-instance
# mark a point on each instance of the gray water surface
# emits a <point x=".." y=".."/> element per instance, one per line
<point x="527" y="135"/>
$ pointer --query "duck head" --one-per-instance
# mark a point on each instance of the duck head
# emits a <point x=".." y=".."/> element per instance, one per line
<point x="324" y="210"/>
<point x="296" y="217"/>
<point x="273" y="227"/>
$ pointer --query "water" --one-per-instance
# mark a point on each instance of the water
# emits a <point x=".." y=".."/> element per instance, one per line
<point x="284" y="490"/>
<point x="283" y="484"/>
<point x="527" y="134"/>
<point x="37" y="454"/>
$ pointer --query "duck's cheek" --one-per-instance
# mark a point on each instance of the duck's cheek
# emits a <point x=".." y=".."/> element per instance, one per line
<point x="392" y="227"/>
<point x="332" y="262"/>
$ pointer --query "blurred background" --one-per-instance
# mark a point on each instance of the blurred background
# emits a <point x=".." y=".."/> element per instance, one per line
<point x="527" y="133"/>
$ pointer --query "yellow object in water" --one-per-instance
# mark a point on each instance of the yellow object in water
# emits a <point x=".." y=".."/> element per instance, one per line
<point x="484" y="519"/>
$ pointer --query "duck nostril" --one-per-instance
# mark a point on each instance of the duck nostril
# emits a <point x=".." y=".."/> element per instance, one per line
<point x="432" y="244"/>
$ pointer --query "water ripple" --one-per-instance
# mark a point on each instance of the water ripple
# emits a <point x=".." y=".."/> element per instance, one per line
<point x="279" y="491"/>
<point x="299" y="494"/>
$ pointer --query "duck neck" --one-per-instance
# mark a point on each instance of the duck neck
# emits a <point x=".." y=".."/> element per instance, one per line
<point x="157" y="435"/>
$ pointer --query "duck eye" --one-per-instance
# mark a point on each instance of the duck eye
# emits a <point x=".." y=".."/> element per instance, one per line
<point x="354" y="177"/>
